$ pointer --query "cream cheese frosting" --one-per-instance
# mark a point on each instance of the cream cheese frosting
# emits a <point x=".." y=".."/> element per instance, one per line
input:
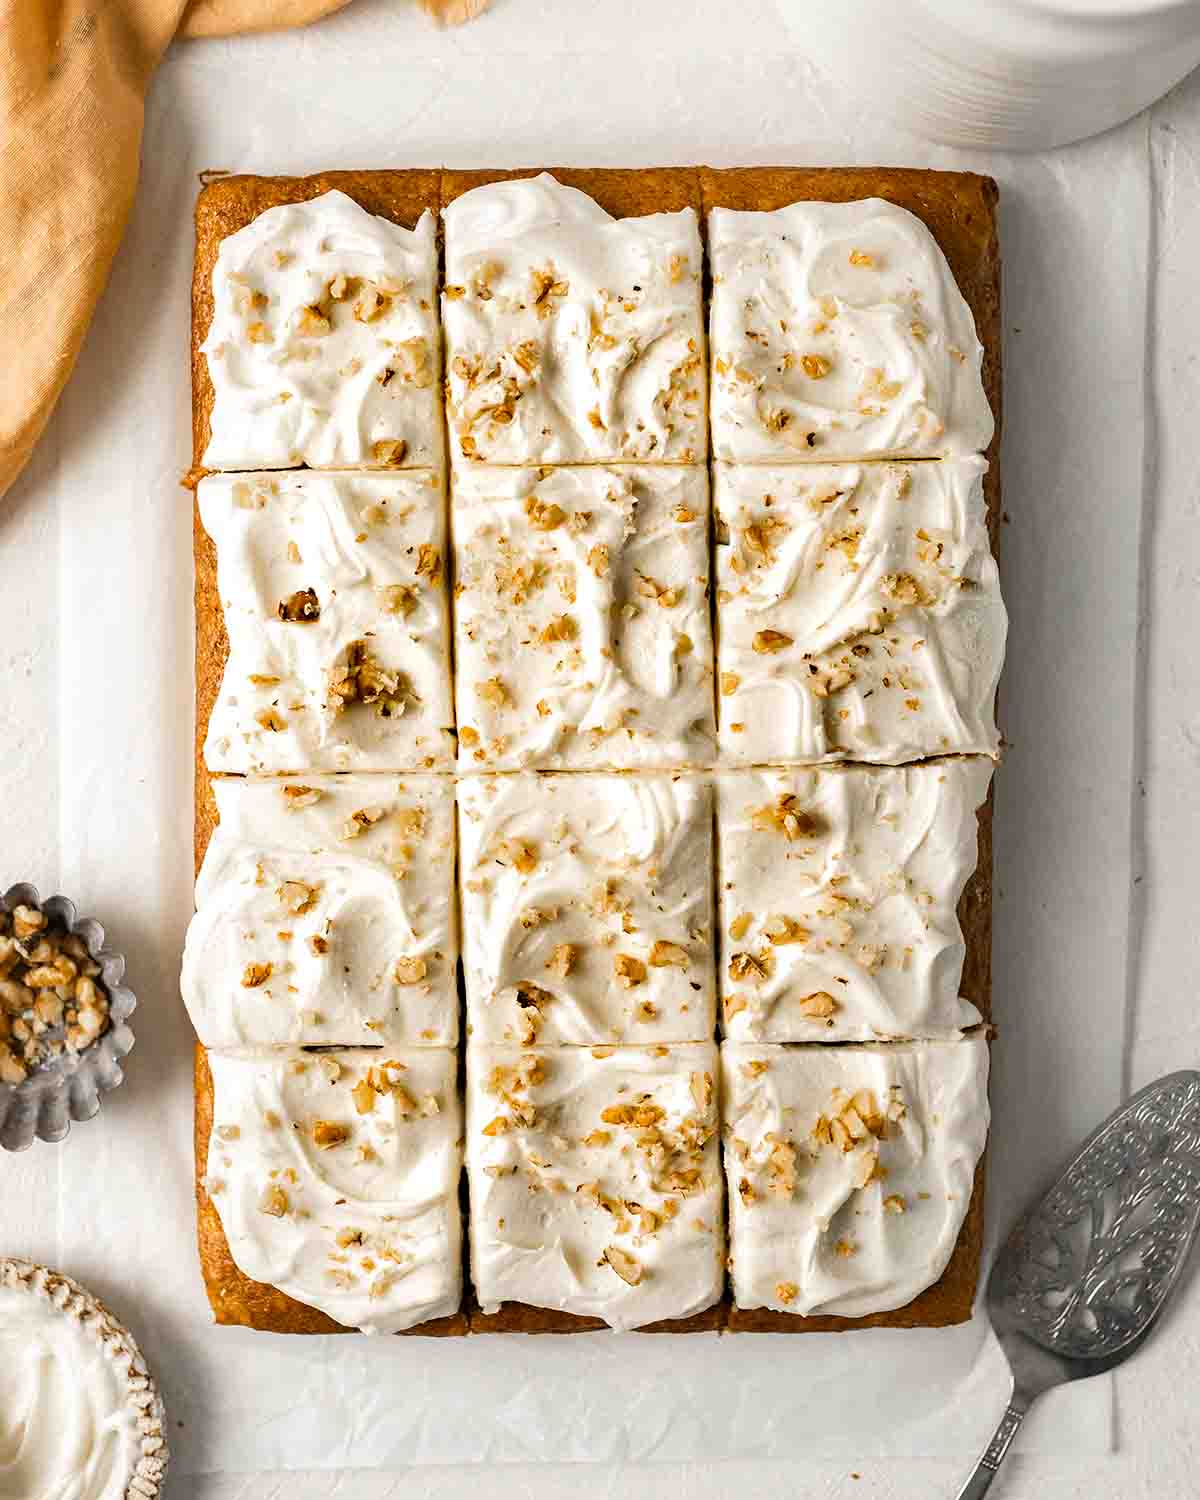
<point x="838" y="900"/>
<point x="850" y="1170"/>
<point x="595" y="1180"/>
<point x="859" y="613"/>
<point x="582" y="634"/>
<point x="324" y="347"/>
<point x="326" y="914"/>
<point x="336" y="1178"/>
<point x="587" y="908"/>
<point x="333" y="588"/>
<point x="76" y="1411"/>
<point x="571" y="335"/>
<point x="839" y="332"/>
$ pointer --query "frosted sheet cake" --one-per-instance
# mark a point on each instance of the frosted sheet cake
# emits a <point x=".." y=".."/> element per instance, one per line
<point x="646" y="407"/>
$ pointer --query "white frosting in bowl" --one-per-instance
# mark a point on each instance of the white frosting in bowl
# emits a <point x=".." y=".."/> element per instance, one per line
<point x="76" y="1408"/>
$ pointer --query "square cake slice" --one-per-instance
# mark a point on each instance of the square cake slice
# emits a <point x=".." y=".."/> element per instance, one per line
<point x="587" y="908"/>
<point x="839" y="332"/>
<point x="336" y="1179"/>
<point x="571" y="335"/>
<point x="582" y="635"/>
<point x="839" y="896"/>
<point x="334" y="598"/>
<point x="323" y="347"/>
<point x="326" y="915"/>
<point x="850" y="1172"/>
<point x="595" y="1181"/>
<point x="859" y="614"/>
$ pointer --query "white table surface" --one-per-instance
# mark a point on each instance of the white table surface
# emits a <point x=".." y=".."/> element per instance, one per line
<point x="545" y="80"/>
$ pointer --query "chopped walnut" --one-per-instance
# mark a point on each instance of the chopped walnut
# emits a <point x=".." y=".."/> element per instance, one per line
<point x="784" y="816"/>
<point x="521" y="856"/>
<point x="666" y="955"/>
<point x="894" y="1204"/>
<point x="493" y="692"/>
<point x="819" y="1006"/>
<point x="301" y="608"/>
<point x="389" y="453"/>
<point x="255" y="975"/>
<point x="543" y="515"/>
<point x="274" y="1201"/>
<point x="745" y="966"/>
<point x="296" y="797"/>
<point x="327" y="1134"/>
<point x="362" y="819"/>
<point x="397" y="599"/>
<point x="410" y="970"/>
<point x="629" y="971"/>
<point x="298" y="897"/>
<point x="767" y="642"/>
<point x="779" y="931"/>
<point x="629" y="1270"/>
<point x="562" y="959"/>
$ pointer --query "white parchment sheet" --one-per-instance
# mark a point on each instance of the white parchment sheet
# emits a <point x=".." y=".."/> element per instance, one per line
<point x="374" y="87"/>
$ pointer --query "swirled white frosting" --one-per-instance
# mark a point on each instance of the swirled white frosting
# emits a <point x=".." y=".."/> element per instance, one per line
<point x="839" y="332"/>
<point x="582" y="636"/>
<point x="68" y="1430"/>
<point x="587" y="908"/>
<point x="353" y="921"/>
<point x="858" y="611"/>
<point x="805" y="1237"/>
<point x="366" y="1228"/>
<point x="324" y="341"/>
<point x="371" y="548"/>
<point x="838" y="900"/>
<point x="595" y="1180"/>
<point x="571" y="335"/>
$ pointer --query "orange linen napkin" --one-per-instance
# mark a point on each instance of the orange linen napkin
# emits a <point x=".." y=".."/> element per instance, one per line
<point x="73" y="80"/>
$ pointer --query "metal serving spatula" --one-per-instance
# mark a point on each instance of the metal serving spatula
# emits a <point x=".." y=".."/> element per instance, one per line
<point x="1084" y="1276"/>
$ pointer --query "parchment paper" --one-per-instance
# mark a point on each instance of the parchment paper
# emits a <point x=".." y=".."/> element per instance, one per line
<point x="535" y="82"/>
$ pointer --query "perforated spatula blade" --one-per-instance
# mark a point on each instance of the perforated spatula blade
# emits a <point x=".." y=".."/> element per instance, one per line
<point x="1086" y="1273"/>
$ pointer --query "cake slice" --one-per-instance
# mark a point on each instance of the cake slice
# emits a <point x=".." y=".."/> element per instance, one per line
<point x="582" y="635"/>
<point x="571" y="335"/>
<point x="859" y="614"/>
<point x="851" y="1174"/>
<point x="335" y="1180"/>
<point x="323" y="346"/>
<point x="838" y="332"/>
<point x="840" y="892"/>
<point x="587" y="908"/>
<point x="595" y="1183"/>
<point x="326" y="914"/>
<point x="334" y="602"/>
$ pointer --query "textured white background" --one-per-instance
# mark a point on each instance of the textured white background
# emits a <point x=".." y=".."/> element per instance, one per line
<point x="1098" y="803"/>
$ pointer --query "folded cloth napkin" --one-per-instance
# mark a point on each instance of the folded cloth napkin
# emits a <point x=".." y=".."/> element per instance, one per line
<point x="73" y="80"/>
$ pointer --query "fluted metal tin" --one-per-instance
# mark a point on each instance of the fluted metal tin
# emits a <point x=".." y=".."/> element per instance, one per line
<point x="69" y="1087"/>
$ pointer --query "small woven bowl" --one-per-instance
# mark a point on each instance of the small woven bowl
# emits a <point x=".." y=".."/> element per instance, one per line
<point x="68" y="1087"/>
